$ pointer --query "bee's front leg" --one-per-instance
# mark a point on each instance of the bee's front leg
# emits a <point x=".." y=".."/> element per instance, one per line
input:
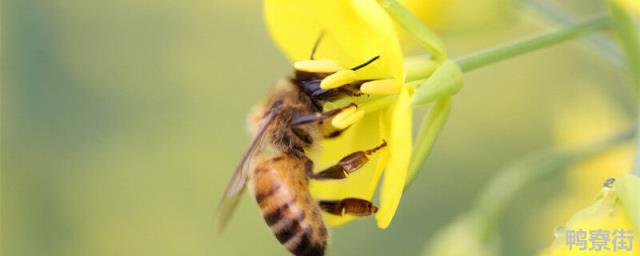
<point x="328" y="131"/>
<point x="346" y="165"/>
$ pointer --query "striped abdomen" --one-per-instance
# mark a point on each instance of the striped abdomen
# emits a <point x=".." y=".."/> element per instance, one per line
<point x="281" y="189"/>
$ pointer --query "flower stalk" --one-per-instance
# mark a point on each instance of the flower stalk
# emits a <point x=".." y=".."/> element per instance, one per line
<point x="543" y="40"/>
<point x="435" y="90"/>
<point x="514" y="49"/>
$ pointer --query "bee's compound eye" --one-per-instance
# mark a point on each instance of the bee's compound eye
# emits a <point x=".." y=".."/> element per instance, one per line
<point x="317" y="66"/>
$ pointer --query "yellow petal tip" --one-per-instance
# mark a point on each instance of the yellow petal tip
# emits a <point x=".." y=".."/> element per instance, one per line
<point x="399" y="156"/>
<point x="383" y="220"/>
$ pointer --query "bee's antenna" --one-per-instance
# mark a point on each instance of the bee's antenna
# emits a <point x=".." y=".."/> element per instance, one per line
<point x="366" y="63"/>
<point x="316" y="44"/>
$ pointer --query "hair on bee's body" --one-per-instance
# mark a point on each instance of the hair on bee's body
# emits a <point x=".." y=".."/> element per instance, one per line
<point x="280" y="188"/>
<point x="277" y="170"/>
<point x="290" y="102"/>
<point x="278" y="176"/>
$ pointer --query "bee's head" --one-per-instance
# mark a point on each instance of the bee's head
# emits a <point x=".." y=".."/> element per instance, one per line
<point x="310" y="74"/>
<point x="327" y="74"/>
<point x="319" y="76"/>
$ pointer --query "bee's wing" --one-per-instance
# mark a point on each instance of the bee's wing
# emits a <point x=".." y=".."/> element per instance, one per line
<point x="233" y="192"/>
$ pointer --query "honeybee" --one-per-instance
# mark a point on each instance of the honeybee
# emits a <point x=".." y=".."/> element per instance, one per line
<point x="277" y="171"/>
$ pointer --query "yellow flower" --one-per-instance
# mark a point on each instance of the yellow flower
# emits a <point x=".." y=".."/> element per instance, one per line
<point x="633" y="6"/>
<point x="451" y="15"/>
<point x="354" y="32"/>
<point x="606" y="219"/>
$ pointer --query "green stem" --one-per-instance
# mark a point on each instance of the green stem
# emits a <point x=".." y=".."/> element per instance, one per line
<point x="629" y="39"/>
<point x="527" y="171"/>
<point x="636" y="165"/>
<point x="534" y="43"/>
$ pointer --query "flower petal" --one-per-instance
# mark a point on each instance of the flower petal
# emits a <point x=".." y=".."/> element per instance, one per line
<point x="360" y="184"/>
<point x="399" y="155"/>
<point x="629" y="191"/>
<point x="355" y="31"/>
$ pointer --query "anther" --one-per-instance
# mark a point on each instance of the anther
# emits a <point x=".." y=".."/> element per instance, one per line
<point x="338" y="79"/>
<point x="381" y="87"/>
<point x="346" y="118"/>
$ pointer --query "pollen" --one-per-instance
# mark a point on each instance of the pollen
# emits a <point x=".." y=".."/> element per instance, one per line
<point x="381" y="87"/>
<point x="347" y="117"/>
<point x="338" y="79"/>
<point x="317" y="66"/>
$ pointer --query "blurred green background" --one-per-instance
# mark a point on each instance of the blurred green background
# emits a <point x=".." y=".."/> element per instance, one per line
<point x="122" y="122"/>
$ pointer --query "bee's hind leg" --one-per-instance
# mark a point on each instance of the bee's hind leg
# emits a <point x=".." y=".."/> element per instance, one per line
<point x="350" y="206"/>
<point x="346" y="165"/>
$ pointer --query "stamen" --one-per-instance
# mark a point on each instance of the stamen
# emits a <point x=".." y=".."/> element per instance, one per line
<point x="315" y="46"/>
<point x="317" y="66"/>
<point x="377" y="104"/>
<point x="381" y="87"/>
<point x="338" y="79"/>
<point x="347" y="117"/>
<point x="365" y="64"/>
<point x="350" y="115"/>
